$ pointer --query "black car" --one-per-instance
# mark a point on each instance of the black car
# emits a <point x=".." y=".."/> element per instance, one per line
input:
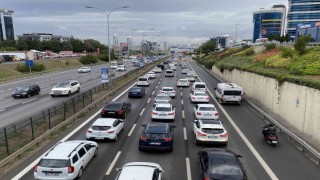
<point x="157" y="136"/>
<point x="218" y="163"/>
<point x="136" y="92"/>
<point x="161" y="66"/>
<point x="117" y="109"/>
<point x="26" y="91"/>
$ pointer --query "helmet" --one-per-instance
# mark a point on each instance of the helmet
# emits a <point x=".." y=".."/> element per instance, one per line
<point x="271" y="124"/>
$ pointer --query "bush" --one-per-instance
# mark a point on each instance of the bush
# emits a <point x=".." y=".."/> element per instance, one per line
<point x="286" y="52"/>
<point x="270" y="46"/>
<point x="24" y="68"/>
<point x="301" y="44"/>
<point x="38" y="67"/>
<point x="103" y="57"/>
<point x="67" y="63"/>
<point x="249" y="53"/>
<point x="89" y="59"/>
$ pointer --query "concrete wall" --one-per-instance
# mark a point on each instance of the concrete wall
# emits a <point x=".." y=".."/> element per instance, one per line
<point x="298" y="105"/>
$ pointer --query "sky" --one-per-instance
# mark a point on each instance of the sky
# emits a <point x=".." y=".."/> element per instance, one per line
<point x="175" y="21"/>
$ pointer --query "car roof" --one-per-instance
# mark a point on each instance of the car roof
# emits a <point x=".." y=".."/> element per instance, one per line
<point x="167" y="88"/>
<point x="206" y="105"/>
<point x="183" y="79"/>
<point x="211" y="124"/>
<point x="161" y="94"/>
<point x="138" y="170"/>
<point x="198" y="83"/>
<point x="163" y="125"/>
<point x="104" y="122"/>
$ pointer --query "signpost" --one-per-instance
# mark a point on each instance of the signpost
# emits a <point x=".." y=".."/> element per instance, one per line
<point x="29" y="63"/>
<point x="104" y="75"/>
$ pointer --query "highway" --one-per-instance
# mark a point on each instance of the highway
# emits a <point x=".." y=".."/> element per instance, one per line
<point x="261" y="161"/>
<point x="12" y="110"/>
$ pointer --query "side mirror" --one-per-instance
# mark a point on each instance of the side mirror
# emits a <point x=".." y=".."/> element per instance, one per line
<point x="194" y="121"/>
<point x="121" y="120"/>
<point x="161" y="171"/>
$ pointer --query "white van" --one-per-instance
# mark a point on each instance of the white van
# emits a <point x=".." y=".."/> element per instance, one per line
<point x="228" y="93"/>
<point x="199" y="86"/>
<point x="143" y="81"/>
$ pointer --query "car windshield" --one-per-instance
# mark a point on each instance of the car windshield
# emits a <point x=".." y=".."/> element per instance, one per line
<point x="156" y="129"/>
<point x="165" y="109"/>
<point x="113" y="64"/>
<point x="113" y="106"/>
<point x="183" y="81"/>
<point x="63" y="85"/>
<point x="212" y="130"/>
<point x="200" y="86"/>
<point x="232" y="93"/>
<point x="100" y="128"/>
<point x="22" y="88"/>
<point x="135" y="89"/>
<point x="207" y="109"/>
<point x="54" y="163"/>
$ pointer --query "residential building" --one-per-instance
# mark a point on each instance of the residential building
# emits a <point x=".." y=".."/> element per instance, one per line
<point x="269" y="22"/>
<point x="302" y="13"/>
<point x="44" y="37"/>
<point x="6" y="25"/>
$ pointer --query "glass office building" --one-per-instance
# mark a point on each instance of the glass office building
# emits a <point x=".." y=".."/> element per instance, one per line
<point x="302" y="12"/>
<point x="6" y="25"/>
<point x="269" y="22"/>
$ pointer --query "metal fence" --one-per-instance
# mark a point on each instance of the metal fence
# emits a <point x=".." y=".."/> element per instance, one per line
<point x="24" y="131"/>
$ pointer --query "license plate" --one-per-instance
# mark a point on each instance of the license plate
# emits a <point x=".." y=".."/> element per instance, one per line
<point x="111" y="112"/>
<point x="99" y="138"/>
<point x="213" y="137"/>
<point x="18" y="95"/>
<point x="274" y="142"/>
<point x="51" y="174"/>
<point x="134" y="93"/>
<point x="155" y="143"/>
<point x="207" y="114"/>
<point x="162" y="114"/>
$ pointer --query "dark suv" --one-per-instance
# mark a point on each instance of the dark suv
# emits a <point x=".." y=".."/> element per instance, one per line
<point x="157" y="136"/>
<point x="26" y="91"/>
<point x="161" y="66"/>
<point x="116" y="109"/>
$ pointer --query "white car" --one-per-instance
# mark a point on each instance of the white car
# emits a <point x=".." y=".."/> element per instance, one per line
<point x="173" y="67"/>
<point x="151" y="75"/>
<point x="140" y="171"/>
<point x="163" y="111"/>
<point x="162" y="98"/>
<point x="190" y="78"/>
<point x="84" y="69"/>
<point x="199" y="86"/>
<point x="192" y="73"/>
<point x="209" y="131"/>
<point x="205" y="111"/>
<point x="184" y="71"/>
<point x="105" y="128"/>
<point x="198" y="96"/>
<point x="121" y="68"/>
<point x="66" y="160"/>
<point x="65" y="88"/>
<point x="157" y="70"/>
<point x="183" y="83"/>
<point x="143" y="81"/>
<point x="168" y="90"/>
<point x="114" y="65"/>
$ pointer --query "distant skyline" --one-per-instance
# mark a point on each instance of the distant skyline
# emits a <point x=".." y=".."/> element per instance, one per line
<point x="175" y="21"/>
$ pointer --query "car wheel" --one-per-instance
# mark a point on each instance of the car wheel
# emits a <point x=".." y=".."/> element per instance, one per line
<point x="28" y="95"/>
<point x="78" y="90"/>
<point x="80" y="173"/>
<point x="196" y="140"/>
<point x="115" y="138"/>
<point x="52" y="95"/>
<point x="69" y="93"/>
<point x="95" y="153"/>
<point x="38" y="92"/>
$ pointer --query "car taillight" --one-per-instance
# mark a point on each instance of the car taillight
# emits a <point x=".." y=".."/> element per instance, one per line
<point x="70" y="169"/>
<point x="224" y="135"/>
<point x="216" y="114"/>
<point x="198" y="113"/>
<point x="171" y="113"/>
<point x="207" y="98"/>
<point x="193" y="97"/>
<point x="206" y="178"/>
<point x="35" y="168"/>
<point x="154" y="113"/>
<point x="89" y="131"/>
<point x="142" y="138"/>
<point x="167" y="139"/>
<point x="200" y="133"/>
<point x="242" y="97"/>
<point x="103" y="111"/>
<point x="119" y="111"/>
<point x="110" y="132"/>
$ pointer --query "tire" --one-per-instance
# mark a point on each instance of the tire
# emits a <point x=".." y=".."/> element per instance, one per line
<point x="28" y="95"/>
<point x="78" y="90"/>
<point x="95" y="153"/>
<point x="80" y="173"/>
<point x="69" y="93"/>
<point x="124" y="115"/>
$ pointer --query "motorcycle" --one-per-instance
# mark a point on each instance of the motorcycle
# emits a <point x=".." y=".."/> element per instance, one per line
<point x="272" y="138"/>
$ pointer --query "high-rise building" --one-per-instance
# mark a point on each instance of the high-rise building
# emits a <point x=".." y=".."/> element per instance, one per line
<point x="269" y="22"/>
<point x="164" y="45"/>
<point x="115" y="40"/>
<point x="129" y="42"/>
<point x="6" y="25"/>
<point x="302" y="13"/>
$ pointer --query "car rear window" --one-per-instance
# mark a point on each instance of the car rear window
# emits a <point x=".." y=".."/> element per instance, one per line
<point x="167" y="89"/>
<point x="207" y="109"/>
<point x="162" y="97"/>
<point x="184" y="81"/>
<point x="212" y="130"/>
<point x="200" y="86"/>
<point x="169" y="71"/>
<point x="157" y="129"/>
<point x="224" y="165"/>
<point x="135" y="89"/>
<point x="200" y="94"/>
<point x="143" y="79"/>
<point x="113" y="106"/>
<point x="163" y="109"/>
<point x="54" y="163"/>
<point x="232" y="93"/>
<point x="100" y="128"/>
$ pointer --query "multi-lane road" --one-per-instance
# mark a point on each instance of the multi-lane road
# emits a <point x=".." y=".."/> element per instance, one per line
<point x="260" y="160"/>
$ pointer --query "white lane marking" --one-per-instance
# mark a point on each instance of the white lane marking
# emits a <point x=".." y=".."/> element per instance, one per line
<point x="159" y="81"/>
<point x="180" y="88"/>
<point x="263" y="163"/>
<point x="152" y="92"/>
<point x="156" y="87"/>
<point x="181" y="94"/>
<point x="183" y="114"/>
<point x="142" y="111"/>
<point x="28" y="168"/>
<point x="45" y="86"/>
<point x="113" y="163"/>
<point x="1" y="91"/>
<point x="185" y="133"/>
<point x="189" y="177"/>
<point x="131" y="131"/>
<point x="181" y="101"/>
<point x="29" y="101"/>
<point x="2" y="110"/>
<point x="148" y="100"/>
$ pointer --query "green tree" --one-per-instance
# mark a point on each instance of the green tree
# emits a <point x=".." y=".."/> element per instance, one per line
<point x="77" y="45"/>
<point x="66" y="46"/>
<point x="55" y="45"/>
<point x="208" y="46"/>
<point x="22" y="45"/>
<point x="301" y="44"/>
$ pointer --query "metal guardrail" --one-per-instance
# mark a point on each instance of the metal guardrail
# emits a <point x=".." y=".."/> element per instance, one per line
<point x="303" y="146"/>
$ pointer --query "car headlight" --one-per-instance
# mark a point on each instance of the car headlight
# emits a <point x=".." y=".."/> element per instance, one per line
<point x="24" y="93"/>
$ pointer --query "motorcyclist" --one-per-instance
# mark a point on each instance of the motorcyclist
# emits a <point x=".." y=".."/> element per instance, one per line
<point x="269" y="128"/>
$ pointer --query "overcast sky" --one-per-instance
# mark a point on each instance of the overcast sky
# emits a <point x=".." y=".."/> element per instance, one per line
<point x="176" y="21"/>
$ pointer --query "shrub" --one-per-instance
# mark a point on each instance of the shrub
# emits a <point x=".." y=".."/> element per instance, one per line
<point x="286" y="52"/>
<point x="103" y="57"/>
<point x="89" y="59"/>
<point x="270" y="46"/>
<point x="36" y="67"/>
<point x="22" y="68"/>
<point x="301" y="44"/>
<point x="249" y="53"/>
<point x="67" y="63"/>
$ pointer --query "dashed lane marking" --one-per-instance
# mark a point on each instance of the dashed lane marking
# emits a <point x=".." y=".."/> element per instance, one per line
<point x="132" y="129"/>
<point x="148" y="100"/>
<point x="185" y="133"/>
<point x="113" y="163"/>
<point x="29" y="101"/>
<point x="142" y="111"/>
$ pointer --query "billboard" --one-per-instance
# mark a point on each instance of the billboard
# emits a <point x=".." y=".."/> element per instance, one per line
<point x="104" y="75"/>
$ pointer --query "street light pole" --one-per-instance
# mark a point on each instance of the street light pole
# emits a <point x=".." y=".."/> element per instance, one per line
<point x="260" y="34"/>
<point x="236" y="34"/>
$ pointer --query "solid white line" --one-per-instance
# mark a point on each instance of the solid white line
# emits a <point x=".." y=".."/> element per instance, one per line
<point x="113" y="163"/>
<point x="185" y="133"/>
<point x="2" y="110"/>
<point x="28" y="168"/>
<point x="152" y="92"/>
<point x="142" y="111"/>
<point x="189" y="177"/>
<point x="131" y="131"/>
<point x="263" y="163"/>
<point x="159" y="81"/>
<point x="28" y="100"/>
<point x="148" y="100"/>
<point x="183" y="114"/>
<point x="181" y="94"/>
<point x="182" y="101"/>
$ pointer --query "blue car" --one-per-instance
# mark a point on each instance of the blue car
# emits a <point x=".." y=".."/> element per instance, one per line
<point x="157" y="136"/>
<point x="136" y="92"/>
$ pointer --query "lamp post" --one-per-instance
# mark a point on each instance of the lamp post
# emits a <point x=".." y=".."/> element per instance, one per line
<point x="260" y="35"/>
<point x="108" y="14"/>
<point x="236" y="35"/>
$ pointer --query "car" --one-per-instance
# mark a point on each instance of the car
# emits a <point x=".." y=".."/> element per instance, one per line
<point x="120" y="63"/>
<point x="136" y="64"/>
<point x="228" y="93"/>
<point x="161" y="66"/>
<point x="217" y="163"/>
<point x="184" y="66"/>
<point x="209" y="131"/>
<point x="105" y="128"/>
<point x="205" y="111"/>
<point x="65" y="88"/>
<point x="114" y="65"/>
<point x="192" y="73"/>
<point x="125" y="60"/>
<point x="157" y="136"/>
<point x="151" y="75"/>
<point x="26" y="91"/>
<point x="136" y="92"/>
<point x="163" y="111"/>
<point x="140" y="171"/>
<point x="183" y="83"/>
<point x="199" y="96"/>
<point x="118" y="109"/>
<point x="169" y="73"/>
<point x="199" y="86"/>
<point x="66" y="160"/>
<point x="184" y="71"/>
<point x="162" y="98"/>
<point x="84" y="69"/>
<point x="157" y="70"/>
<point x="173" y="67"/>
<point x="190" y="78"/>
<point x="168" y="90"/>
<point x="111" y="73"/>
<point x="121" y="67"/>
<point x="143" y="81"/>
